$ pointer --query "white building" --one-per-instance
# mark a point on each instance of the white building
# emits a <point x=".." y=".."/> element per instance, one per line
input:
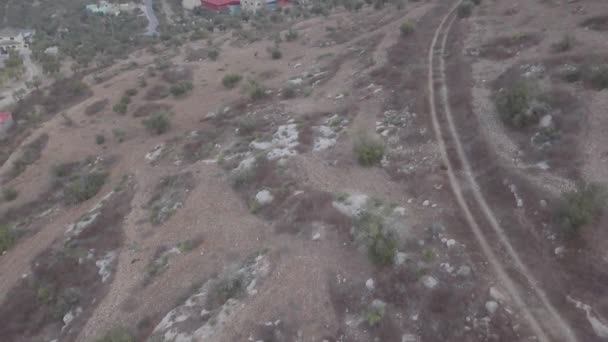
<point x="14" y="39"/>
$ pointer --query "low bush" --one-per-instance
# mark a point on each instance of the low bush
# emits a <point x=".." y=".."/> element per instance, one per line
<point x="291" y="35"/>
<point x="565" y="44"/>
<point x="7" y="238"/>
<point x="117" y="335"/>
<point x="580" y="207"/>
<point x="381" y="244"/>
<point x="181" y="89"/>
<point x="158" y="123"/>
<point x="407" y="28"/>
<point x="369" y="151"/>
<point x="518" y="106"/>
<point x="100" y="139"/>
<point x="465" y="9"/>
<point x="213" y="54"/>
<point x="599" y="77"/>
<point x="255" y="90"/>
<point x="84" y="187"/>
<point x="131" y="92"/>
<point x="9" y="194"/>
<point x="120" y="108"/>
<point x="275" y="52"/>
<point x="231" y="80"/>
<point x="476" y="2"/>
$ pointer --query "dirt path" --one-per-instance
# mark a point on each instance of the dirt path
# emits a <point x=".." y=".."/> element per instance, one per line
<point x="438" y="80"/>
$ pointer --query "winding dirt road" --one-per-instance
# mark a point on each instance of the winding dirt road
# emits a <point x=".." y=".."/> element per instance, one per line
<point x="546" y="322"/>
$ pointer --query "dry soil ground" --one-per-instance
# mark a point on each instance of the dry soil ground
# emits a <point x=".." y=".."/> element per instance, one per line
<point x="250" y="219"/>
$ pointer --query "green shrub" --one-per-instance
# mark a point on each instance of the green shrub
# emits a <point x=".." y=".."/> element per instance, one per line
<point x="291" y="35"/>
<point x="580" y="207"/>
<point x="213" y="54"/>
<point x="84" y="187"/>
<point x="120" y="108"/>
<point x="369" y="151"/>
<point x="289" y="92"/>
<point x="407" y="28"/>
<point x="275" y="52"/>
<point x="158" y="123"/>
<point x="518" y="106"/>
<point x="100" y="139"/>
<point x="119" y="134"/>
<point x="375" y="313"/>
<point x="125" y="99"/>
<point x="255" y="90"/>
<point x="181" y="88"/>
<point x="131" y="92"/>
<point x="476" y="2"/>
<point x="7" y="238"/>
<point x="231" y="80"/>
<point x="599" y="77"/>
<point x="381" y="244"/>
<point x="117" y="335"/>
<point x="10" y="194"/>
<point x="565" y="44"/>
<point x="465" y="9"/>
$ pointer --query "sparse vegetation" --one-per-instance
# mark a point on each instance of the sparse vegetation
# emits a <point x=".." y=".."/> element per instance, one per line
<point x="580" y="207"/>
<point x="231" y="80"/>
<point x="30" y="154"/>
<point x="518" y="105"/>
<point x="275" y="52"/>
<point x="158" y="123"/>
<point x="407" y="28"/>
<point x="180" y="89"/>
<point x="223" y="290"/>
<point x="213" y="54"/>
<point x="375" y="313"/>
<point x="465" y="9"/>
<point x="565" y="44"/>
<point x="369" y="151"/>
<point x="255" y="90"/>
<point x="120" y="108"/>
<point x="100" y="139"/>
<point x="84" y="187"/>
<point x="9" y="194"/>
<point x="291" y="35"/>
<point x="117" y="335"/>
<point x="598" y="78"/>
<point x="119" y="134"/>
<point x="7" y="238"/>
<point x="381" y="244"/>
<point x="96" y="107"/>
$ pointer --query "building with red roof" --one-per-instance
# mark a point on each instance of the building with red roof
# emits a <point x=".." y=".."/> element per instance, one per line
<point x="219" y="4"/>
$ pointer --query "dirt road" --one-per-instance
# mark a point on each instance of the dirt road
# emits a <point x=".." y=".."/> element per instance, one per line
<point x="437" y="84"/>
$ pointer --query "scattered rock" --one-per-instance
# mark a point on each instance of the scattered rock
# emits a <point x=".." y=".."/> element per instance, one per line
<point x="429" y="282"/>
<point x="295" y="82"/>
<point x="400" y="258"/>
<point x="491" y="307"/>
<point x="369" y="284"/>
<point x="264" y="197"/>
<point x="104" y="266"/>
<point x="155" y="154"/>
<point x="560" y="251"/>
<point x="450" y="242"/>
<point x="546" y="121"/>
<point x="316" y="237"/>
<point x="351" y="206"/>
<point x="497" y="295"/>
<point x="464" y="271"/>
<point x="426" y="203"/>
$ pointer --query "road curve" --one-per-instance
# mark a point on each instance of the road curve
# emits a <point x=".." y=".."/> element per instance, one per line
<point x="439" y="79"/>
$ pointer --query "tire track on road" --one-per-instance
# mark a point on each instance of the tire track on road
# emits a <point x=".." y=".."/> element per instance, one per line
<point x="515" y="294"/>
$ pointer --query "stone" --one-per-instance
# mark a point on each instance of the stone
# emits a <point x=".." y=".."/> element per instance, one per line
<point x="426" y="203"/>
<point x="316" y="237"/>
<point x="560" y="251"/>
<point x="264" y="197"/>
<point x="464" y="271"/>
<point x="295" y="82"/>
<point x="497" y="295"/>
<point x="450" y="242"/>
<point x="429" y="282"/>
<point x="400" y="258"/>
<point x="546" y="121"/>
<point x="491" y="307"/>
<point x="369" y="284"/>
